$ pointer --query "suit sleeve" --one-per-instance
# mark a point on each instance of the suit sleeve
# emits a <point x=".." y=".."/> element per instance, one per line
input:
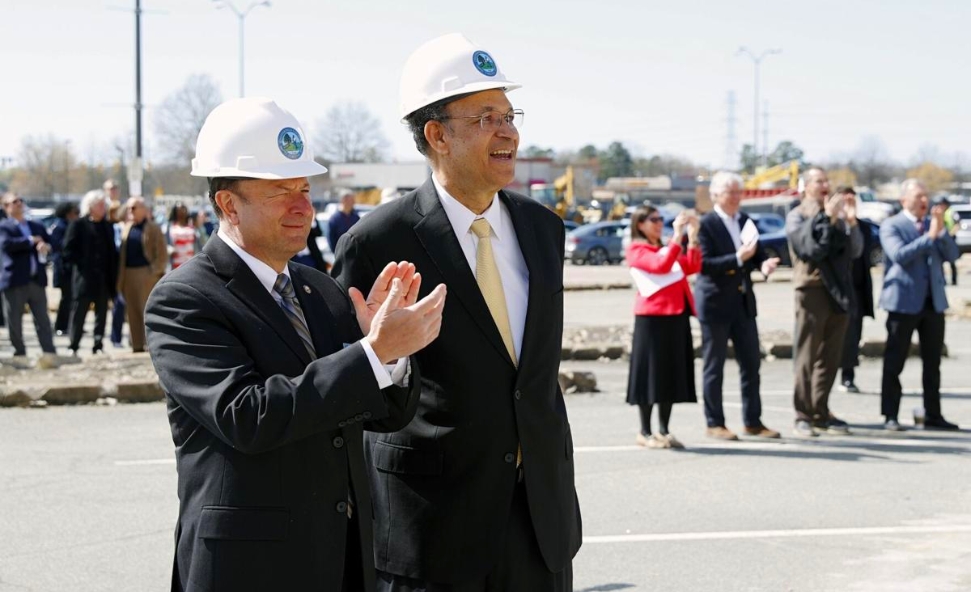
<point x="813" y="239"/>
<point x="899" y="251"/>
<point x="208" y="371"/>
<point x="947" y="248"/>
<point x="712" y="264"/>
<point x="72" y="243"/>
<point x="14" y="244"/>
<point x="353" y="268"/>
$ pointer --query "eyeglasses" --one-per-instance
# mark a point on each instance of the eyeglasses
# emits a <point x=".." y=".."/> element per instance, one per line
<point x="493" y="120"/>
<point x="16" y="200"/>
<point x="655" y="219"/>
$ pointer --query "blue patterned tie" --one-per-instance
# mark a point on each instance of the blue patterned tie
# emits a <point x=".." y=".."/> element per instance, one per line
<point x="291" y="306"/>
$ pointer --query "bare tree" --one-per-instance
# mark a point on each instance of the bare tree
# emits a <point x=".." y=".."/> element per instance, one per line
<point x="350" y="133"/>
<point x="46" y="165"/>
<point x="181" y="115"/>
<point x="871" y="161"/>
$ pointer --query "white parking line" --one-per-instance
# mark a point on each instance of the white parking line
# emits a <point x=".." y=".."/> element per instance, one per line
<point x="148" y="461"/>
<point x="770" y="534"/>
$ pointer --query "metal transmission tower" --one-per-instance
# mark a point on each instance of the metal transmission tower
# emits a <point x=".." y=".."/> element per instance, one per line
<point x="765" y="133"/>
<point x="757" y="62"/>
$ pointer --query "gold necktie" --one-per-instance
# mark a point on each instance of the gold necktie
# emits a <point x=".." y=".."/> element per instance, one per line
<point x="490" y="283"/>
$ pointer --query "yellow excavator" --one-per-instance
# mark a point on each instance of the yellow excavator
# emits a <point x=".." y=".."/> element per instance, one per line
<point x="767" y="178"/>
<point x="559" y="196"/>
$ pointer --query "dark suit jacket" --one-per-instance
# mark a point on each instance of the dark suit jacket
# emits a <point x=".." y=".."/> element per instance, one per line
<point x="722" y="281"/>
<point x="861" y="278"/>
<point x="89" y="247"/>
<point x="61" y="271"/>
<point x="18" y="250"/>
<point x="443" y="486"/>
<point x="267" y="441"/>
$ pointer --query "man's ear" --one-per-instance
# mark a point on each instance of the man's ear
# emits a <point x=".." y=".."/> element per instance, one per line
<point x="226" y="200"/>
<point x="436" y="136"/>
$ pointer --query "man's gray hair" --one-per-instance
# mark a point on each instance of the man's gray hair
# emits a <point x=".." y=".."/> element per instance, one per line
<point x="721" y="180"/>
<point x="88" y="200"/>
<point x="910" y="184"/>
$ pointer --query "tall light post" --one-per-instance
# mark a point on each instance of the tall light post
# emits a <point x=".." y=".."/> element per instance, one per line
<point x="757" y="61"/>
<point x="241" y="15"/>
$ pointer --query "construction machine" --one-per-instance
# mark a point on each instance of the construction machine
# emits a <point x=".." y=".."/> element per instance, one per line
<point x="768" y="177"/>
<point x="558" y="196"/>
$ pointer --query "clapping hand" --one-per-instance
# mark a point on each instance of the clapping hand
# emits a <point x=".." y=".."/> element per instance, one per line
<point x="834" y="207"/>
<point x="410" y="284"/>
<point x="769" y="265"/>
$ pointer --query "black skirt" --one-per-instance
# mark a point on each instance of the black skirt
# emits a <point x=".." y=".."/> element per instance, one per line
<point x="661" y="361"/>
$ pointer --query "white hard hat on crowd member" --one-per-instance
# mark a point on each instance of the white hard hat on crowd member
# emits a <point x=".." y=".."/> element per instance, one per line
<point x="256" y="138"/>
<point x="445" y="67"/>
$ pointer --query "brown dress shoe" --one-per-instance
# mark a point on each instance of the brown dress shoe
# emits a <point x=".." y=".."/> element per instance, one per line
<point x="762" y="432"/>
<point x="721" y="433"/>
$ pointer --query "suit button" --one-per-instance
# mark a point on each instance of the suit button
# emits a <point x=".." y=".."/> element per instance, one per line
<point x="367" y="415"/>
<point x="518" y="395"/>
<point x="341" y="507"/>
<point x="341" y="424"/>
<point x="510" y="457"/>
<point x="359" y="417"/>
<point x="338" y="442"/>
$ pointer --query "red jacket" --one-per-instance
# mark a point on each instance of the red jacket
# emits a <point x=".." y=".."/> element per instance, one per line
<point x="669" y="300"/>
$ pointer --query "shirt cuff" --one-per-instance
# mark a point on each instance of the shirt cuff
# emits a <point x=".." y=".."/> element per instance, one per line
<point x="738" y="259"/>
<point x="381" y="373"/>
<point x="387" y="374"/>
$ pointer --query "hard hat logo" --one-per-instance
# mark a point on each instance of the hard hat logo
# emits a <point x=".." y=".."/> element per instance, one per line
<point x="484" y="63"/>
<point x="290" y="143"/>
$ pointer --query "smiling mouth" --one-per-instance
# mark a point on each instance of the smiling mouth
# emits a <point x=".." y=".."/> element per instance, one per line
<point x="501" y="154"/>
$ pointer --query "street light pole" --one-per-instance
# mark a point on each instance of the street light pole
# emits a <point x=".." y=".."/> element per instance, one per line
<point x="241" y="16"/>
<point x="757" y="61"/>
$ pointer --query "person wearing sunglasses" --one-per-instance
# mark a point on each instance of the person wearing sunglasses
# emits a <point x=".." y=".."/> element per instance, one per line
<point x="662" y="354"/>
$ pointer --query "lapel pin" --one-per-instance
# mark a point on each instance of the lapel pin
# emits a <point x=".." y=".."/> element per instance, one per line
<point x="306" y="289"/>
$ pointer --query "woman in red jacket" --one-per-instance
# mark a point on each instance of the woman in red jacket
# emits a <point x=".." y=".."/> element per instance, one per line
<point x="662" y="355"/>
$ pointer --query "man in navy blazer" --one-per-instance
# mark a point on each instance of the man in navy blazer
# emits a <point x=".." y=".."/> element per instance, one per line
<point x="726" y="306"/>
<point x="915" y="248"/>
<point x="24" y="277"/>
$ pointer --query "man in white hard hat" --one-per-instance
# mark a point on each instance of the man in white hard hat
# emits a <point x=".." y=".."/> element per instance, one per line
<point x="269" y="377"/>
<point x="477" y="492"/>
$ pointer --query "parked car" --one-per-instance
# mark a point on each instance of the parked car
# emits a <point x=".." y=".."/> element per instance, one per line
<point x="962" y="227"/>
<point x="596" y="244"/>
<point x="570" y="225"/>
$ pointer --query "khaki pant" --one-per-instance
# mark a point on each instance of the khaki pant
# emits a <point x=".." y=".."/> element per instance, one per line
<point x="818" y="351"/>
<point x="135" y="288"/>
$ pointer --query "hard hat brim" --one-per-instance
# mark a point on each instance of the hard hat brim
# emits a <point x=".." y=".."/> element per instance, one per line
<point x="458" y="93"/>
<point x="289" y="170"/>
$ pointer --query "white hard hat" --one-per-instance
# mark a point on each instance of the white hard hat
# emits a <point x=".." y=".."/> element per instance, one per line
<point x="445" y="67"/>
<point x="253" y="137"/>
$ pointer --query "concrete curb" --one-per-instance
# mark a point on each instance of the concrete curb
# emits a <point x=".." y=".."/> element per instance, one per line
<point x="770" y="350"/>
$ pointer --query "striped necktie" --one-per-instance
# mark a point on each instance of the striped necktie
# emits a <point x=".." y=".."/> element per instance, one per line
<point x="291" y="306"/>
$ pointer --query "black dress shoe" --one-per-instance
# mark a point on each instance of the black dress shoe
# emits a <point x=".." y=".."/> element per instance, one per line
<point x="98" y="347"/>
<point x="893" y="425"/>
<point x="939" y="423"/>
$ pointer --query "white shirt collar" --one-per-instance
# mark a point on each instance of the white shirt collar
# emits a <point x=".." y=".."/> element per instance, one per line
<point x="263" y="272"/>
<point x="462" y="217"/>
<point x="910" y="216"/>
<point x="724" y="216"/>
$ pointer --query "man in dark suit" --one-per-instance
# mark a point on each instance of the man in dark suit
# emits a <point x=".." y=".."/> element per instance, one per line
<point x="23" y="277"/>
<point x="915" y="249"/>
<point x="269" y="377"/>
<point x="861" y="303"/>
<point x="89" y="248"/>
<point x="477" y="493"/>
<point x="726" y="306"/>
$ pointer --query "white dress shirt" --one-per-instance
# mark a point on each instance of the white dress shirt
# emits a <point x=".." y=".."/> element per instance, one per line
<point x="267" y="276"/>
<point x="731" y="224"/>
<point x="505" y="248"/>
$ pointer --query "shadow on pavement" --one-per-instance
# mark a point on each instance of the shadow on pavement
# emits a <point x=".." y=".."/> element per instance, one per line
<point x="607" y="588"/>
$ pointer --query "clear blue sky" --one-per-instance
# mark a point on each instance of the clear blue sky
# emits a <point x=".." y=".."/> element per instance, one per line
<point x="651" y="74"/>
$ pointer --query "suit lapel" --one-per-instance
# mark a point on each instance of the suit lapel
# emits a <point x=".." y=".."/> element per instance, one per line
<point x="436" y="235"/>
<point x="244" y="285"/>
<point x="322" y="325"/>
<point x="537" y="279"/>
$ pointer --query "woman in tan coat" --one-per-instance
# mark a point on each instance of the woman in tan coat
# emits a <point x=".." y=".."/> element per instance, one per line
<point x="142" y="260"/>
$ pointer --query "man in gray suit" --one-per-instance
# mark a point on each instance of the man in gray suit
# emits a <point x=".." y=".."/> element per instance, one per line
<point x="915" y="247"/>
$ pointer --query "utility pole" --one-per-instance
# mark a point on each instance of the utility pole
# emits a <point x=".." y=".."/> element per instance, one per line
<point x="241" y="15"/>
<point x="757" y="62"/>
<point x="135" y="168"/>
<point x="765" y="133"/>
<point x="731" y="158"/>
